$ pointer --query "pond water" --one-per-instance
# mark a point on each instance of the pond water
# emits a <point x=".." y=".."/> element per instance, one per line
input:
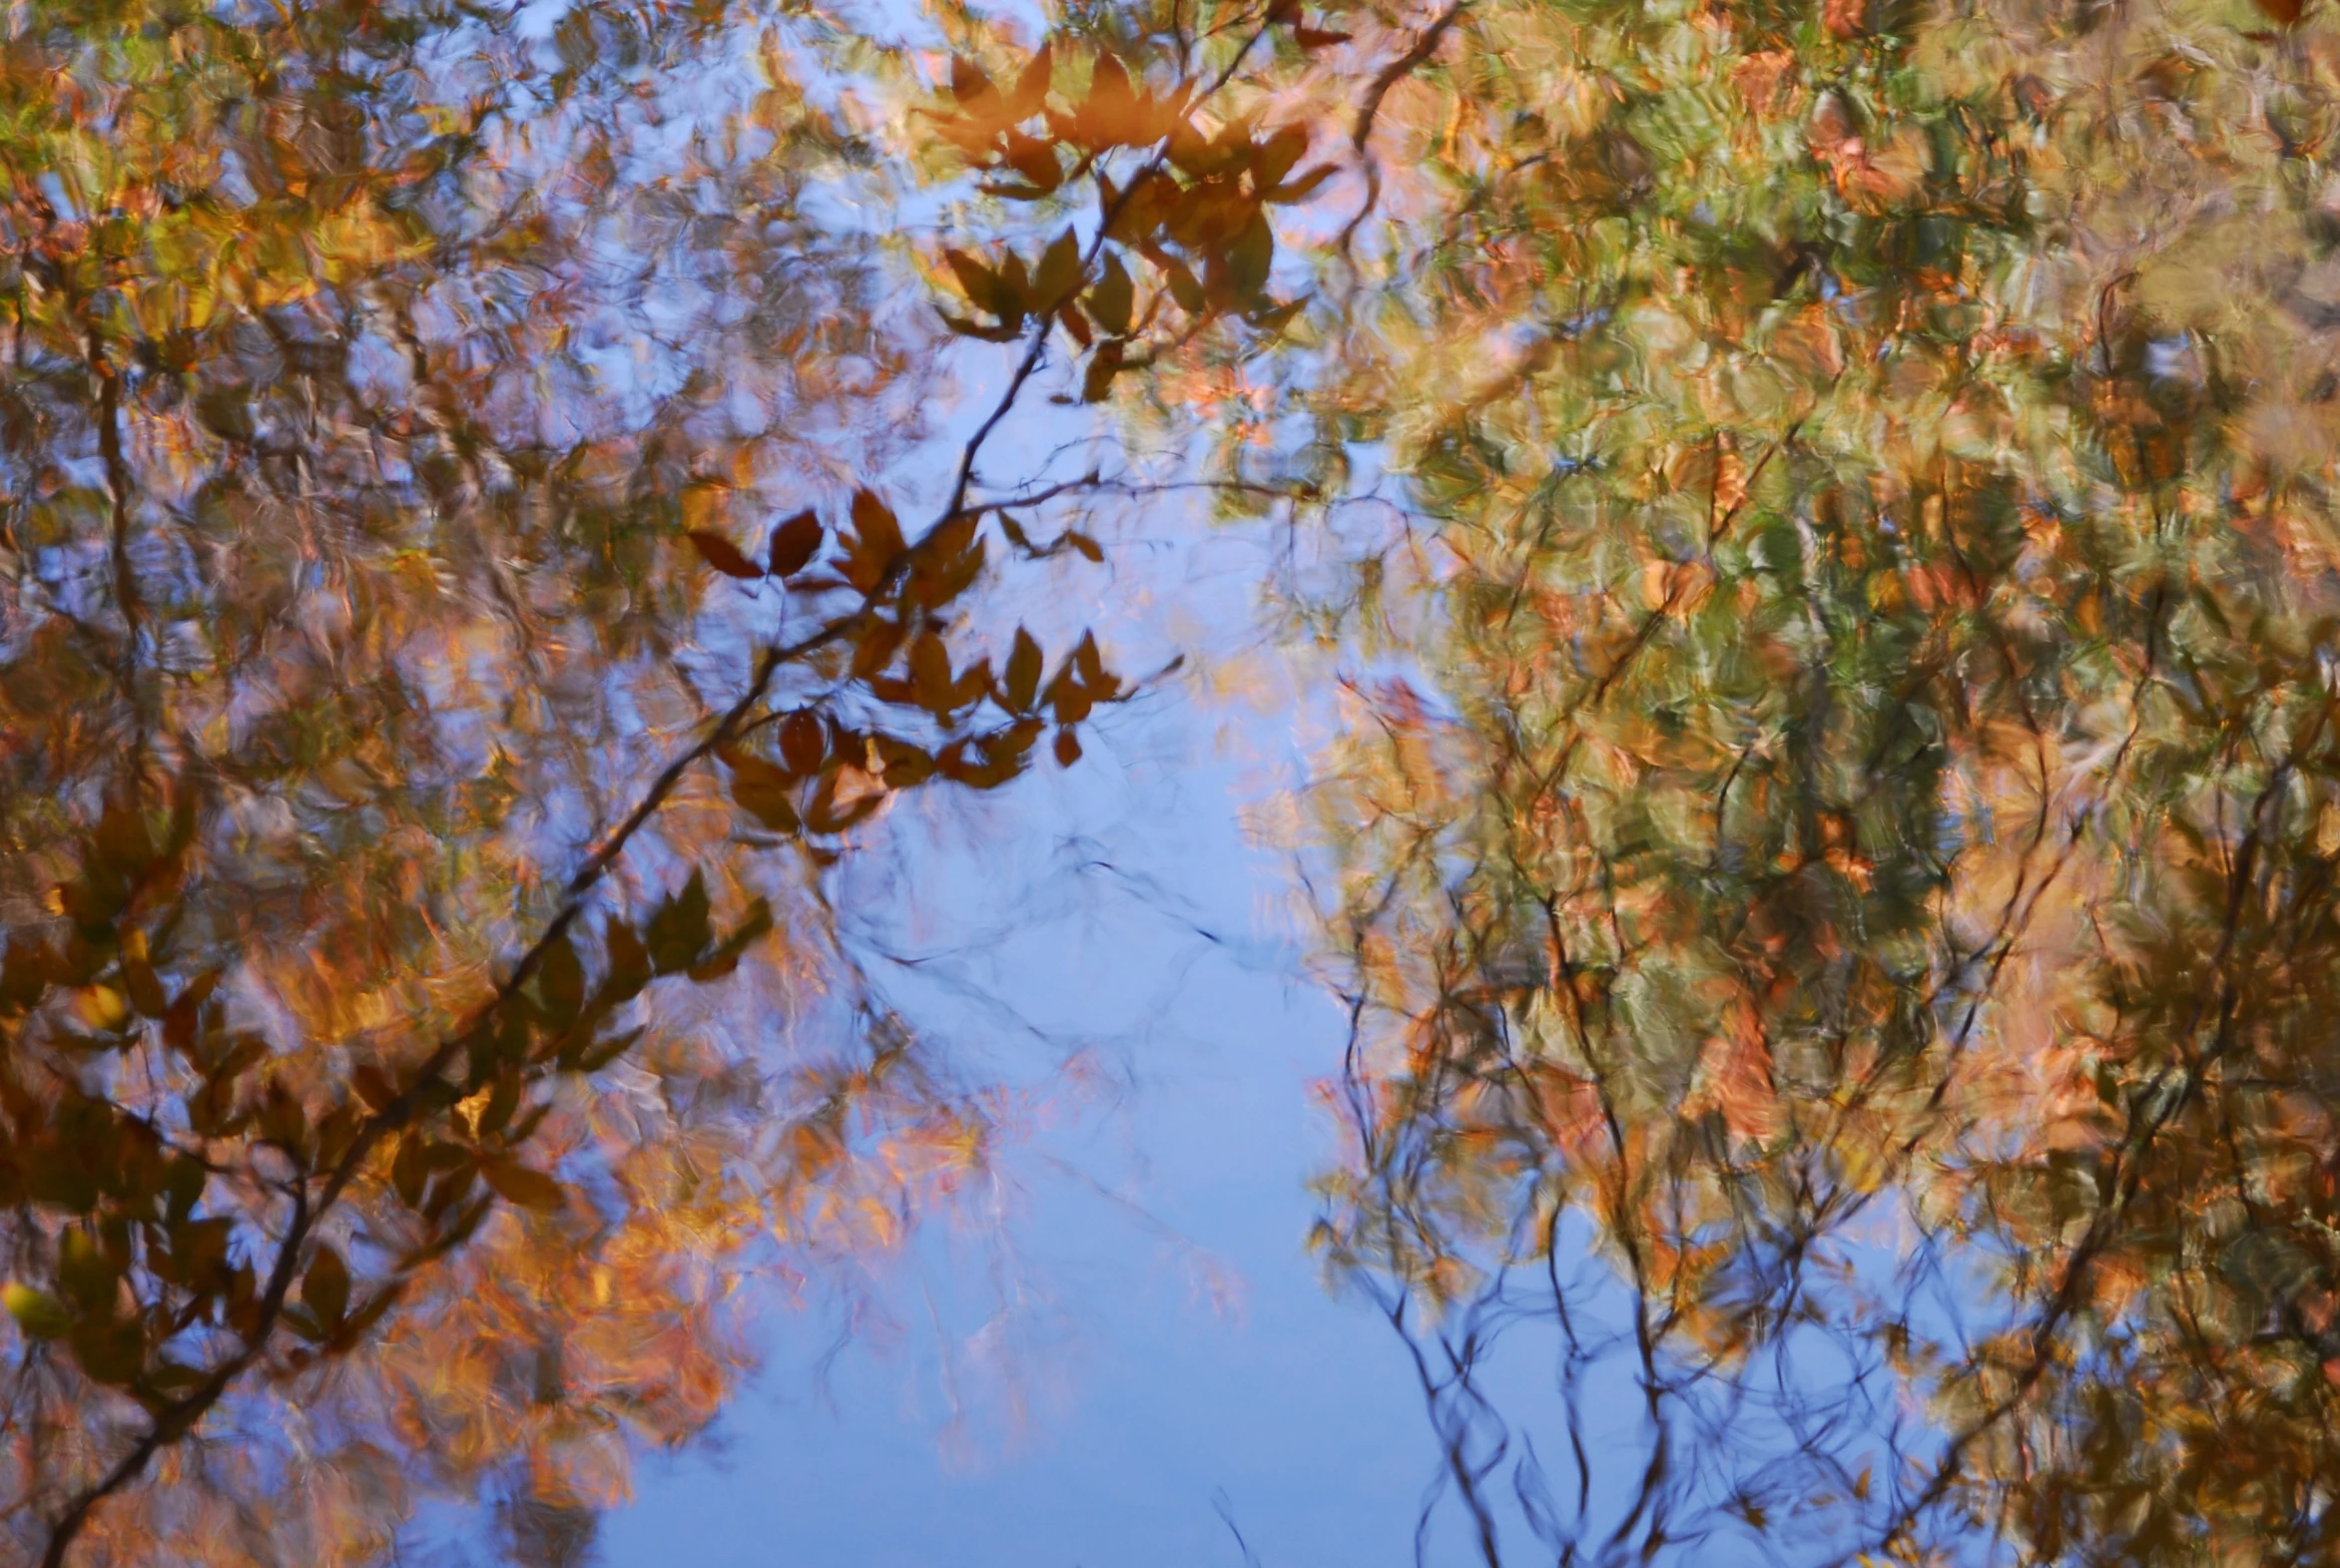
<point x="1571" y="794"/>
<point x="1138" y="1362"/>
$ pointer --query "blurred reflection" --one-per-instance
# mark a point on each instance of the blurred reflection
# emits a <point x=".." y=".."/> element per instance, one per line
<point x="442" y="461"/>
<point x="1825" y="824"/>
<point x="1838" y="902"/>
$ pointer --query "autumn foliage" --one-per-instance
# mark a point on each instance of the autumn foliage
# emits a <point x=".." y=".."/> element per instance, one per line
<point x="1838" y="907"/>
<point x="407" y="703"/>
<point x="1820" y="516"/>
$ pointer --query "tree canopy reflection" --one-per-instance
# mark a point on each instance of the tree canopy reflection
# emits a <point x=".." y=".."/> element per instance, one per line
<point x="1842" y="923"/>
<point x="1821" y="513"/>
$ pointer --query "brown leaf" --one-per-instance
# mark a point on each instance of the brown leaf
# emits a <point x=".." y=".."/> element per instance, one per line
<point x="1058" y="274"/>
<point x="1031" y="84"/>
<point x="930" y="673"/>
<point x="516" y="1183"/>
<point x="765" y="793"/>
<point x="795" y="543"/>
<point x="1104" y="364"/>
<point x="985" y="288"/>
<point x="722" y="555"/>
<point x="967" y="79"/>
<point x="326" y="1287"/>
<point x="804" y="741"/>
<point x="876" y="541"/>
<point x="372" y="1085"/>
<point x="679" y="928"/>
<point x="1036" y="160"/>
<point x="1023" y="673"/>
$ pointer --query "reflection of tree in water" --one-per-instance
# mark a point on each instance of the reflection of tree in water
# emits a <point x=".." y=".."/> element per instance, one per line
<point x="1838" y="917"/>
<point x="346" y="633"/>
<point x="406" y="1046"/>
<point x="1842" y="925"/>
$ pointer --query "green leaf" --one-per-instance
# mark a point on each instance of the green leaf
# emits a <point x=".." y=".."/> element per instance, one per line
<point x="226" y="412"/>
<point x="36" y="1312"/>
